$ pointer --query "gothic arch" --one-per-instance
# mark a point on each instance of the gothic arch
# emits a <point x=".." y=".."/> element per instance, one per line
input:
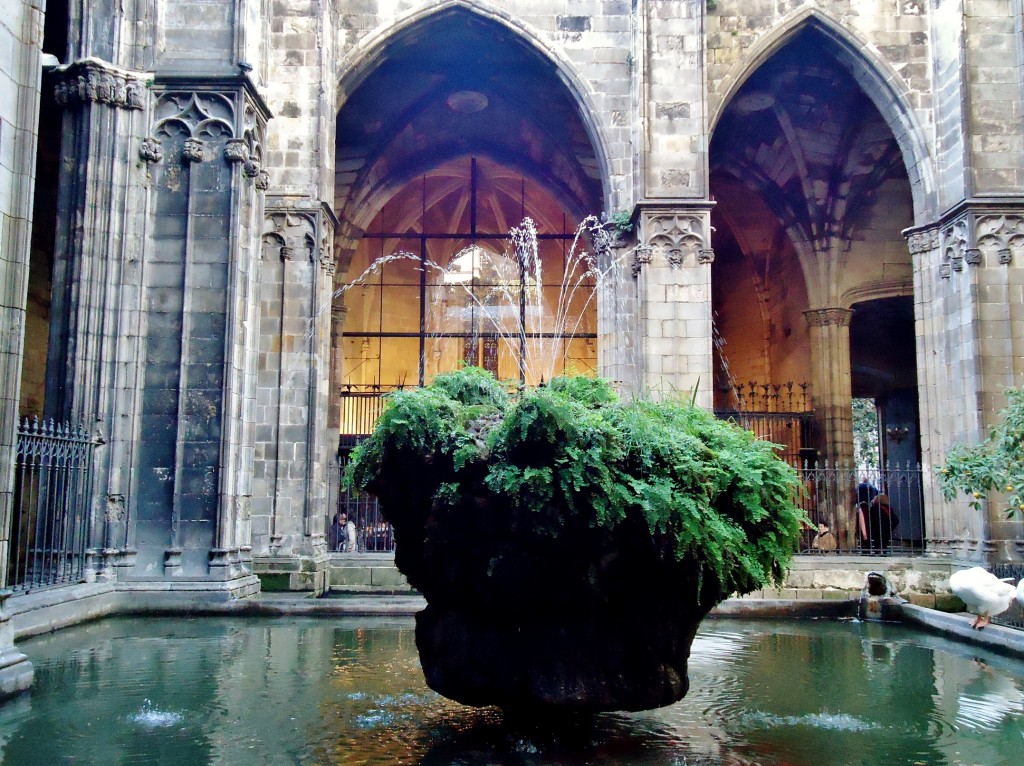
<point x="880" y="82"/>
<point x="363" y="59"/>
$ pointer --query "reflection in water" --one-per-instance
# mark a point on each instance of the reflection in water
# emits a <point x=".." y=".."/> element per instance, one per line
<point x="989" y="700"/>
<point x="213" y="691"/>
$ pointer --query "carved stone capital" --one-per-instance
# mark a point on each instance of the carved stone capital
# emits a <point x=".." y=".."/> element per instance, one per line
<point x="262" y="181"/>
<point x="1000" y="235"/>
<point x="923" y="241"/>
<point x="643" y="255"/>
<point x="706" y="255"/>
<point x="194" y="150"/>
<point x="829" y="317"/>
<point x="115" y="508"/>
<point x="151" y="150"/>
<point x="675" y="235"/>
<point x="298" y="231"/>
<point x="955" y="243"/>
<point x="92" y="81"/>
<point x="236" y="150"/>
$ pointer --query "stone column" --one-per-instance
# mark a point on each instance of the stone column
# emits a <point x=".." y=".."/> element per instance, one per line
<point x="618" y="334"/>
<point x="831" y="388"/>
<point x="295" y="447"/>
<point x="339" y="313"/>
<point x="969" y="307"/>
<point x="191" y="401"/>
<point x="673" y="281"/>
<point x="20" y="35"/>
<point x="831" y="382"/>
<point x="92" y="368"/>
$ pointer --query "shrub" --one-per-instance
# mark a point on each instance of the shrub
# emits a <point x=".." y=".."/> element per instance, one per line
<point x="456" y="462"/>
<point x="995" y="465"/>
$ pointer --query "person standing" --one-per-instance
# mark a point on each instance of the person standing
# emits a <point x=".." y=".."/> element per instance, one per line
<point x="343" y="533"/>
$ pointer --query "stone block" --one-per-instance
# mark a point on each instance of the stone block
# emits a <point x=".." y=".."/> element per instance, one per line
<point x="947" y="602"/>
<point x="834" y="594"/>
<point x="921" y="599"/>
<point x="388" y="578"/>
<point x="274" y="582"/>
<point x="350" y="575"/>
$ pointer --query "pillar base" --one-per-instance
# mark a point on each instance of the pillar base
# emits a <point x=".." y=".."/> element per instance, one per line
<point x="16" y="671"/>
<point x="292" y="572"/>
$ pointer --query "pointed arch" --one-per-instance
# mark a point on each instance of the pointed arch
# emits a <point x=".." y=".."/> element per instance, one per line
<point x="880" y="82"/>
<point x="363" y="59"/>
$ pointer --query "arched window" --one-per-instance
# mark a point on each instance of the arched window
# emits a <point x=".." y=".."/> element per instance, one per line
<point x="437" y="282"/>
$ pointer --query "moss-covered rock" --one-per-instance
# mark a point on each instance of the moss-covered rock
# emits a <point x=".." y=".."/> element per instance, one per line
<point x="568" y="544"/>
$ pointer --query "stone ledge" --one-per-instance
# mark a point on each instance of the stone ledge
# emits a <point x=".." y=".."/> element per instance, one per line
<point x="46" y="611"/>
<point x="1007" y="641"/>
<point x="800" y="594"/>
<point x="771" y="607"/>
<point x="237" y="588"/>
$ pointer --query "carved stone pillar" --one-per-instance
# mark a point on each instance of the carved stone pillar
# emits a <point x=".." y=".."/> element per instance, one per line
<point x="969" y="309"/>
<point x="618" y="338"/>
<point x="672" y="269"/>
<point x="18" y="115"/>
<point x="188" y="391"/>
<point x="294" y="446"/>
<point x="831" y="384"/>
<point x="831" y="381"/>
<point x="92" y="364"/>
<point x="19" y="109"/>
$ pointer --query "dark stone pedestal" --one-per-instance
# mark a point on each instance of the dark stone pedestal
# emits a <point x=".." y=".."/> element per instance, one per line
<point x="580" y="663"/>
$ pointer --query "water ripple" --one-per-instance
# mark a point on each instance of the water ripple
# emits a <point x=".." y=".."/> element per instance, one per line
<point x="828" y="721"/>
<point x="152" y="718"/>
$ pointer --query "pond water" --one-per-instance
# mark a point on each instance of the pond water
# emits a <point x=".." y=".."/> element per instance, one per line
<point x="346" y="691"/>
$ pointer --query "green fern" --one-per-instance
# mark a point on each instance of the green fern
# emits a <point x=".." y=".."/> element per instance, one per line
<point x="571" y="456"/>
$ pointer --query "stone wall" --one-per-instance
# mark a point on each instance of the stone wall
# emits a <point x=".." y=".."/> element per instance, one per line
<point x="194" y="323"/>
<point x="21" y="31"/>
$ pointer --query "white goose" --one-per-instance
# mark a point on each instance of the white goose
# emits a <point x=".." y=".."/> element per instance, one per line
<point x="984" y="594"/>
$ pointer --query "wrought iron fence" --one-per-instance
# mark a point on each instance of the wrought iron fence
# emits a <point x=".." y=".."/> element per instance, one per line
<point x="361" y="405"/>
<point x="373" y="533"/>
<point x="52" y="494"/>
<point x="868" y="512"/>
<point x="862" y="510"/>
<point x="852" y="510"/>
<point x="792" y="431"/>
<point x="1014" y="616"/>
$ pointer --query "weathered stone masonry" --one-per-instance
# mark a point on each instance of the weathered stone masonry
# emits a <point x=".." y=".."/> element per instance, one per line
<point x="208" y="209"/>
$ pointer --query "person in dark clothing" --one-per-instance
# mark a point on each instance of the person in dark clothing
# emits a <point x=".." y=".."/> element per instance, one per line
<point x="342" y="535"/>
<point x="866" y="491"/>
<point x="881" y="522"/>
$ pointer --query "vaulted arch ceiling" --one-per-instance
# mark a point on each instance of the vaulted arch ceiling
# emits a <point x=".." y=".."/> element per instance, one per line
<point x="803" y="136"/>
<point x="454" y="85"/>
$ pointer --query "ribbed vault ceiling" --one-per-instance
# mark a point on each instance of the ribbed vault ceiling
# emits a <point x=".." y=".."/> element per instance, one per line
<point x="802" y="135"/>
<point x="458" y="85"/>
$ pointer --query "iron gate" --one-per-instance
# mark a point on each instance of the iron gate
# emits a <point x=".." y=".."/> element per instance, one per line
<point x="52" y="494"/>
